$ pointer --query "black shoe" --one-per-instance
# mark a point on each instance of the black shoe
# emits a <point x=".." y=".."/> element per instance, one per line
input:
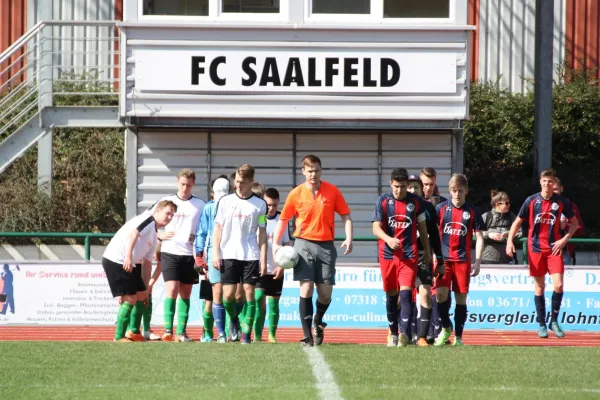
<point x="307" y="342"/>
<point x="318" y="331"/>
<point x="234" y="331"/>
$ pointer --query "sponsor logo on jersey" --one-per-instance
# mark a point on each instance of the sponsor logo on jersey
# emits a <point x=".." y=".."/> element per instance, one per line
<point x="455" y="228"/>
<point x="545" y="218"/>
<point x="399" y="221"/>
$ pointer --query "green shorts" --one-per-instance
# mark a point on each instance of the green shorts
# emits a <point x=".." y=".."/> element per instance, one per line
<point x="316" y="262"/>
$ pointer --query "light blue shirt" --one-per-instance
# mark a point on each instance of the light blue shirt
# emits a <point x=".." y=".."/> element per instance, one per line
<point x="205" y="230"/>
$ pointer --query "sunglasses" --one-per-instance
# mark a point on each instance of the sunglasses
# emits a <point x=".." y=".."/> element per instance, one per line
<point x="503" y="203"/>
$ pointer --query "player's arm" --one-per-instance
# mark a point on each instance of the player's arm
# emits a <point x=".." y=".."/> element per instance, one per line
<point x="264" y="247"/>
<point x="423" y="235"/>
<point x="217" y="233"/>
<point x="201" y="234"/>
<point x="349" y="231"/>
<point x="561" y="243"/>
<point x="379" y="233"/>
<point x="479" y="243"/>
<point x="131" y="239"/>
<point x="510" y="245"/>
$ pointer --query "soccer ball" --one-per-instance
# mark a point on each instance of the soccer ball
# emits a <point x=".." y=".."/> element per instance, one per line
<point x="286" y="257"/>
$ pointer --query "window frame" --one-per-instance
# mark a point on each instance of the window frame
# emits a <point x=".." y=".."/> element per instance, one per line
<point x="215" y="13"/>
<point x="376" y="16"/>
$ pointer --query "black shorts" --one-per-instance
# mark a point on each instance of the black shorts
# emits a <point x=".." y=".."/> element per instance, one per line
<point x="239" y="271"/>
<point x="424" y="275"/>
<point x="178" y="268"/>
<point x="205" y="292"/>
<point x="123" y="283"/>
<point x="272" y="287"/>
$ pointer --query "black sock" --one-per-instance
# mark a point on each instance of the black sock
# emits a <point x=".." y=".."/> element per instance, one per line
<point x="306" y="315"/>
<point x="413" y="319"/>
<point x="405" y="311"/>
<point x="321" y="309"/>
<point x="435" y="318"/>
<point x="424" y="322"/>
<point x="444" y="310"/>
<point x="460" y="317"/>
<point x="540" y="309"/>
<point x="556" y="302"/>
<point x="391" y="306"/>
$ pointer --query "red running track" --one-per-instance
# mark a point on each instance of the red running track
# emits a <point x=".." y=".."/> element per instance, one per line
<point x="332" y="335"/>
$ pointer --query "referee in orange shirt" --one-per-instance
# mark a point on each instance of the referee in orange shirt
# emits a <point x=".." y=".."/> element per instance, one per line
<point x="314" y="205"/>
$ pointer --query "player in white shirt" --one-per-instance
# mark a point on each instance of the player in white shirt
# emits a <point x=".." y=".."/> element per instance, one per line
<point x="237" y="252"/>
<point x="177" y="255"/>
<point x="270" y="284"/>
<point x="131" y="247"/>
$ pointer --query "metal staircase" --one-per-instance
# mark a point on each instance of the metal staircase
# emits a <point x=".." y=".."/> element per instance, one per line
<point x="59" y="74"/>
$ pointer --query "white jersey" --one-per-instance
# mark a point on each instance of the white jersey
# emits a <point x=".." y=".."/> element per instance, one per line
<point x="144" y="246"/>
<point x="240" y="219"/>
<point x="184" y="224"/>
<point x="271" y="224"/>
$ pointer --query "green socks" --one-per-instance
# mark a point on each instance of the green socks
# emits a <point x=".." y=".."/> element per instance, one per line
<point x="183" y="312"/>
<point x="147" y="314"/>
<point x="136" y="317"/>
<point x="259" y="304"/>
<point x="209" y="322"/>
<point x="122" y="320"/>
<point x="273" y="315"/>
<point x="230" y="308"/>
<point x="249" y="317"/>
<point x="169" y="313"/>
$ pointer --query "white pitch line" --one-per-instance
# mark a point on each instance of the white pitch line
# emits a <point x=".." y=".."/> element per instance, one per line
<point x="325" y="382"/>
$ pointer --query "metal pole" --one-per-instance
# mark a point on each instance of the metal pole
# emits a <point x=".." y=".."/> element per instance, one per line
<point x="87" y="248"/>
<point x="544" y="62"/>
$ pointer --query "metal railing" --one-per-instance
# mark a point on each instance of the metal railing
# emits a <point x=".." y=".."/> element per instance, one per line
<point x="88" y="236"/>
<point x="53" y="64"/>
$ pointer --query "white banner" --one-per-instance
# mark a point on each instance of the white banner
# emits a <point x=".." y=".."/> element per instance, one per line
<point x="174" y="70"/>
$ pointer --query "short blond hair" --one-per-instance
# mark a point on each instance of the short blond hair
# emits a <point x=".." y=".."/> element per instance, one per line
<point x="245" y="171"/>
<point x="166" y="203"/>
<point x="187" y="173"/>
<point x="258" y="189"/>
<point x="458" y="180"/>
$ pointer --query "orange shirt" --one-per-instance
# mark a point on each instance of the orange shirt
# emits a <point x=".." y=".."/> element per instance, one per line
<point x="315" y="218"/>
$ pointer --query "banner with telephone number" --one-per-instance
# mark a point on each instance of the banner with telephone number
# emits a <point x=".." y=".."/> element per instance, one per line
<point x="500" y="298"/>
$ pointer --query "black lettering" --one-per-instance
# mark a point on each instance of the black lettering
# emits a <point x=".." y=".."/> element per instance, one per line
<point x="293" y="73"/>
<point x="386" y="81"/>
<point x="472" y="318"/>
<point x="214" y="76"/>
<point x="349" y="72"/>
<point x="197" y="69"/>
<point x="367" y="81"/>
<point x="248" y="70"/>
<point x="270" y="73"/>
<point x="330" y="71"/>
<point x="312" y="73"/>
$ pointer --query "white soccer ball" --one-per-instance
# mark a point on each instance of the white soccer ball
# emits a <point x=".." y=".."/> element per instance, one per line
<point x="286" y="257"/>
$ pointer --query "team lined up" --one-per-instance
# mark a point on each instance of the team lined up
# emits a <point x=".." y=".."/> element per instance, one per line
<point x="424" y="249"/>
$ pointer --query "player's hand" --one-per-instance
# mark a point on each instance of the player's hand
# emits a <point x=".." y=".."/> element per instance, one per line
<point x="127" y="265"/>
<point x="510" y="248"/>
<point x="495" y="236"/>
<point x="157" y="256"/>
<point x="440" y="269"/>
<point x="348" y="245"/>
<point x="263" y="269"/>
<point x="217" y="262"/>
<point x="119" y="300"/>
<point x="199" y="260"/>
<point x="393" y="243"/>
<point x="558" y="246"/>
<point x="151" y="285"/>
<point x="278" y="273"/>
<point x="166" y="235"/>
<point x="476" y="268"/>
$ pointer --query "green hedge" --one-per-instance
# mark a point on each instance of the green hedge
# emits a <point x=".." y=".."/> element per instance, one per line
<point x="498" y="143"/>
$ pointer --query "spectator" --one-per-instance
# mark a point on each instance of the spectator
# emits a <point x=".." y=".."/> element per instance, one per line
<point x="497" y="223"/>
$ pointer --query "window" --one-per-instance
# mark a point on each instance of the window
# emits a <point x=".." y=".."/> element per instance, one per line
<point x="416" y="8"/>
<point x="341" y="6"/>
<point x="250" y="6"/>
<point x="176" y="7"/>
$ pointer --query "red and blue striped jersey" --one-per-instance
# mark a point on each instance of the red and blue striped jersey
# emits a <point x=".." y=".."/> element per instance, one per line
<point x="457" y="226"/>
<point x="399" y="219"/>
<point x="543" y="218"/>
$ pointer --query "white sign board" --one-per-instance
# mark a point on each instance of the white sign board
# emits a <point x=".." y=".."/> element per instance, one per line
<point x="173" y="70"/>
